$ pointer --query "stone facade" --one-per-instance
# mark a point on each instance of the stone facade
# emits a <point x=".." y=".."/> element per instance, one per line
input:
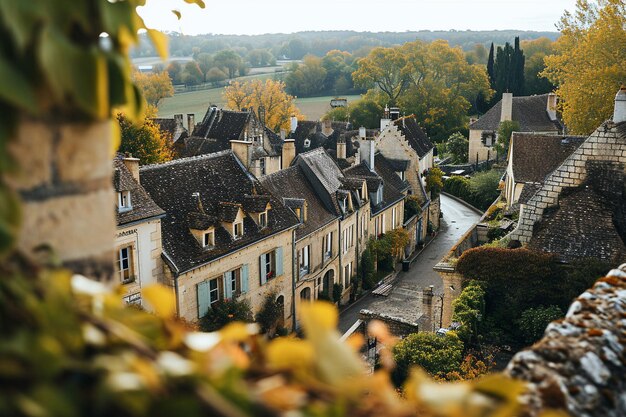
<point x="65" y="168"/>
<point x="607" y="143"/>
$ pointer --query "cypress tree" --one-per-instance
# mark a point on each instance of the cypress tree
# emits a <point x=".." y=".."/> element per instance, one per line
<point x="490" y="72"/>
<point x="517" y="69"/>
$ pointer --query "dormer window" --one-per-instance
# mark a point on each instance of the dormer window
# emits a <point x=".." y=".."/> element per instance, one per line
<point x="238" y="230"/>
<point x="208" y="239"/>
<point x="263" y="219"/>
<point x="262" y="165"/>
<point x="344" y="204"/>
<point x="123" y="201"/>
<point x="401" y="175"/>
<point x="307" y="143"/>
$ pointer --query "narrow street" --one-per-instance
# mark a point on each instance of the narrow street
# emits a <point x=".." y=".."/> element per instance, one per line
<point x="457" y="219"/>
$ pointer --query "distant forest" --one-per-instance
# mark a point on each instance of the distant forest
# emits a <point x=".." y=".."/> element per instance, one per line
<point x="297" y="45"/>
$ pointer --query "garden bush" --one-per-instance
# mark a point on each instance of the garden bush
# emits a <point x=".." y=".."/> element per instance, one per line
<point x="533" y="322"/>
<point x="223" y="312"/>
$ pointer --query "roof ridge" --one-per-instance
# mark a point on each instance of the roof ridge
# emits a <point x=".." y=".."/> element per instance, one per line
<point x="186" y="159"/>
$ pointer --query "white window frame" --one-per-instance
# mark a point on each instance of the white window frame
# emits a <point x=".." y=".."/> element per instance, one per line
<point x="235" y="234"/>
<point x="129" y="264"/>
<point x="263" y="223"/>
<point x="208" y="239"/>
<point x="124" y="202"/>
<point x="214" y="293"/>
<point x="347" y="274"/>
<point x="305" y="260"/>
<point x="393" y="217"/>
<point x="234" y="277"/>
<point x="328" y="246"/>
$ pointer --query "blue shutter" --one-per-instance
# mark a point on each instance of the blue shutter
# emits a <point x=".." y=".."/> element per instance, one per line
<point x="203" y="298"/>
<point x="244" y="278"/>
<point x="279" y="261"/>
<point x="228" y="289"/>
<point x="262" y="269"/>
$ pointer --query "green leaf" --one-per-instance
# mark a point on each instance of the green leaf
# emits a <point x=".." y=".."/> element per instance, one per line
<point x="117" y="15"/>
<point x="177" y="13"/>
<point x="16" y="88"/>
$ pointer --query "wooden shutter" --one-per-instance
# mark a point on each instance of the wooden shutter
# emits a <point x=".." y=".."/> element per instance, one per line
<point x="228" y="288"/>
<point x="262" y="269"/>
<point x="203" y="298"/>
<point x="279" y="261"/>
<point x="244" y="278"/>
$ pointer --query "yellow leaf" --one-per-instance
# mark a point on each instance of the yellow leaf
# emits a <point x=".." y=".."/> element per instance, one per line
<point x="115" y="138"/>
<point x="319" y="317"/>
<point x="161" y="299"/>
<point x="160" y="42"/>
<point x="200" y="3"/>
<point x="177" y="13"/>
<point x="288" y="353"/>
<point x="237" y="332"/>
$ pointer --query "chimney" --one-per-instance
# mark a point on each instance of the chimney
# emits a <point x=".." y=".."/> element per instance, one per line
<point x="241" y="149"/>
<point x="289" y="152"/>
<point x="191" y="122"/>
<point x="178" y="118"/>
<point x="367" y="149"/>
<point x="507" y="107"/>
<point x="394" y="112"/>
<point x="294" y="123"/>
<point x="551" y="106"/>
<point x="327" y="128"/>
<point x="619" y="113"/>
<point x="133" y="164"/>
<point x="283" y="134"/>
<point x="384" y="122"/>
<point x="362" y="133"/>
<point x="341" y="149"/>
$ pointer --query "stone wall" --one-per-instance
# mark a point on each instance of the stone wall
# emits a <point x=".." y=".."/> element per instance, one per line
<point x="396" y="326"/>
<point x="607" y="143"/>
<point x="64" y="180"/>
<point x="580" y="364"/>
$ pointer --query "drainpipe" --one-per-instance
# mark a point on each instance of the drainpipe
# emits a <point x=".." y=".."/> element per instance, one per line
<point x="358" y="236"/>
<point x="340" y="272"/>
<point x="176" y="294"/>
<point x="293" y="280"/>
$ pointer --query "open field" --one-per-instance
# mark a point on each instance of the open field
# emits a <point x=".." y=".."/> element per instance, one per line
<point x="197" y="102"/>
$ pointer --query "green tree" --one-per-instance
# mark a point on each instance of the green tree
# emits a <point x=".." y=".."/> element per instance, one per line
<point x="457" y="146"/>
<point x="144" y="140"/>
<point x="269" y="315"/>
<point x="229" y="61"/>
<point x="534" y="321"/>
<point x="484" y="187"/>
<point x="384" y="69"/>
<point x="588" y="66"/>
<point x="536" y="51"/>
<point x="368" y="268"/>
<point x="437" y="355"/>
<point x="468" y="310"/>
<point x="192" y="75"/>
<point x="490" y="70"/>
<point x="205" y="62"/>
<point x="306" y="79"/>
<point x="505" y="130"/>
<point x="215" y="75"/>
<point x="175" y="71"/>
<point x="223" y="312"/>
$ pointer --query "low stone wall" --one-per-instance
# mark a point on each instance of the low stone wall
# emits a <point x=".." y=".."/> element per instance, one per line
<point x="397" y="327"/>
<point x="580" y="364"/>
<point x="470" y="168"/>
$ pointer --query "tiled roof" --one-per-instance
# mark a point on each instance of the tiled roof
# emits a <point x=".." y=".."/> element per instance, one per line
<point x="227" y="212"/>
<point x="176" y="130"/>
<point x="311" y="131"/>
<point x="324" y="175"/>
<point x="387" y="170"/>
<point x="413" y="133"/>
<point x="295" y="188"/>
<point x="143" y="207"/>
<point x="255" y="203"/>
<point x="218" y="178"/>
<point x="195" y="146"/>
<point x="222" y="125"/>
<point x="529" y="111"/>
<point x="528" y="191"/>
<point x="535" y="156"/>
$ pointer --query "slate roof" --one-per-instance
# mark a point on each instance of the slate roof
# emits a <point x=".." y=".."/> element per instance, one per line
<point x="528" y="191"/>
<point x="312" y="130"/>
<point x="176" y="130"/>
<point x="413" y="133"/>
<point x="218" y="178"/>
<point x="143" y="207"/>
<point x="293" y="186"/>
<point x="529" y="111"/>
<point x="534" y="156"/>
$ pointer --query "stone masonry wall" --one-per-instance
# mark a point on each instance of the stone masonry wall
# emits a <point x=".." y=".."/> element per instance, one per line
<point x="607" y="143"/>
<point x="580" y="363"/>
<point x="396" y="326"/>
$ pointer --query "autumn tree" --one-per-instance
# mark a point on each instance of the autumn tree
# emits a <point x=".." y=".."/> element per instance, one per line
<point x="279" y="106"/>
<point x="192" y="74"/>
<point x="536" y="50"/>
<point x="383" y="68"/>
<point x="154" y="86"/>
<point x="588" y="66"/>
<point x="144" y="139"/>
<point x="307" y="78"/>
<point x="215" y="75"/>
<point x="175" y="70"/>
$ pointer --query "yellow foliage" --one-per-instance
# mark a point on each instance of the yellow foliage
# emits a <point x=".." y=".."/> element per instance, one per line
<point x="279" y="106"/>
<point x="161" y="299"/>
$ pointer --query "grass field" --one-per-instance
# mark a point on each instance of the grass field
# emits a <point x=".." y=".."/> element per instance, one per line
<point x="197" y="102"/>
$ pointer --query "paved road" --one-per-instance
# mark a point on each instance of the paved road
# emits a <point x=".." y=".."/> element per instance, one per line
<point x="457" y="219"/>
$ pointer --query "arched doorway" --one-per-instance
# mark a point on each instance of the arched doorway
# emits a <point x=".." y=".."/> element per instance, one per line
<point x="281" y="307"/>
<point x="305" y="294"/>
<point x="327" y="284"/>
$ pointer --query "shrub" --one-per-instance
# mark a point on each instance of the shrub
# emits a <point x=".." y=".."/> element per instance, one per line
<point x="434" y="181"/>
<point x="269" y="314"/>
<point x="468" y="310"/>
<point x="533" y="322"/>
<point x="457" y="147"/>
<point x="368" y="272"/>
<point x="484" y="188"/>
<point x="411" y="207"/>
<point x="337" y="290"/>
<point x="438" y="355"/>
<point x="223" y="312"/>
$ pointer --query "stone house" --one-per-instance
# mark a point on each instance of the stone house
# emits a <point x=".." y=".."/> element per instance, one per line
<point x="536" y="114"/>
<point x="309" y="134"/>
<point x="226" y="235"/>
<point x="531" y="158"/>
<point x="259" y="149"/>
<point x="317" y="251"/>
<point x="580" y="210"/>
<point x="407" y="147"/>
<point x="176" y="130"/>
<point x="138" y="236"/>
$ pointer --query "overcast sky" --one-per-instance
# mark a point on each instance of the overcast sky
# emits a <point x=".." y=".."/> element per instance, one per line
<point x="252" y="17"/>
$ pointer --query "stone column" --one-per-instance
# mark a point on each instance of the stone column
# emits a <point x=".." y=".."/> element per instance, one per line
<point x="64" y="181"/>
<point x="452" y="286"/>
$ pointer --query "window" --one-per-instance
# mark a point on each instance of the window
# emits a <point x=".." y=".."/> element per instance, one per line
<point x="262" y="165"/>
<point x="393" y="217"/>
<point x="208" y="293"/>
<point x="214" y="291"/>
<point x="208" y="240"/>
<point x="263" y="219"/>
<point x="298" y="213"/>
<point x="343" y="203"/>
<point x="124" y="264"/>
<point x="271" y="265"/>
<point x="347" y="274"/>
<point x="382" y="223"/>
<point x="348" y="238"/>
<point x="305" y="260"/>
<point x="238" y="230"/>
<point x="123" y="201"/>
<point x="488" y="138"/>
<point x="401" y="175"/>
<point x="328" y="246"/>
